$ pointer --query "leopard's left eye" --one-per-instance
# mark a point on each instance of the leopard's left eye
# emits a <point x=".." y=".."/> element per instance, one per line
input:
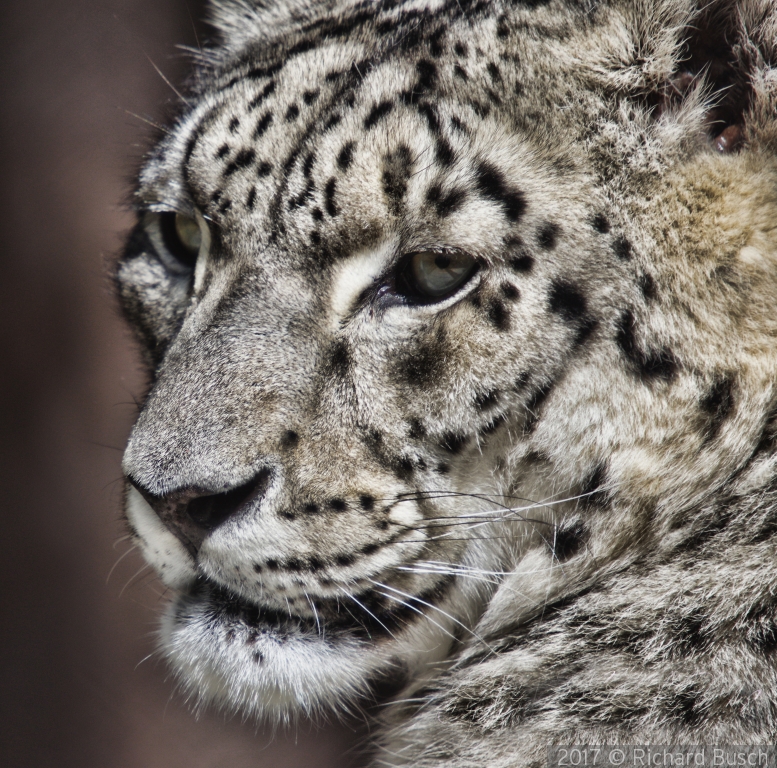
<point x="429" y="276"/>
<point x="181" y="241"/>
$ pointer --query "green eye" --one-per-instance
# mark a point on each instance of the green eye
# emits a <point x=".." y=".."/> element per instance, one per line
<point x="182" y="236"/>
<point x="429" y="276"/>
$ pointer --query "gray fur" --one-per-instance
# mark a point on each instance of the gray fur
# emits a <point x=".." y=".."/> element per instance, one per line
<point x="543" y="506"/>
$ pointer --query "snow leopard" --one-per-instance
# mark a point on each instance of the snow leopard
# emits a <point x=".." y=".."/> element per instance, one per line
<point x="460" y="320"/>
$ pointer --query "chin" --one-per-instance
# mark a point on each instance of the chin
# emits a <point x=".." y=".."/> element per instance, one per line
<point x="240" y="658"/>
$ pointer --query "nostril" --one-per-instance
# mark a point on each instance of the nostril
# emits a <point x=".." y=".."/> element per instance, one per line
<point x="192" y="513"/>
<point x="210" y="511"/>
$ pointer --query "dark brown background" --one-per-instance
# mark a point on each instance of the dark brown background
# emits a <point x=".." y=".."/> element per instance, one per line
<point x="78" y="686"/>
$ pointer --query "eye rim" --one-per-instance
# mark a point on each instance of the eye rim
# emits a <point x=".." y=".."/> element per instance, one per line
<point x="163" y="232"/>
<point x="405" y="286"/>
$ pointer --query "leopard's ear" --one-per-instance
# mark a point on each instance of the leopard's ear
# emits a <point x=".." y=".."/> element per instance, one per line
<point x="714" y="58"/>
<point x="240" y="22"/>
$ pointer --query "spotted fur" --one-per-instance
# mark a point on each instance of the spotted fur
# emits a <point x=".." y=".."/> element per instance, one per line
<point x="538" y="509"/>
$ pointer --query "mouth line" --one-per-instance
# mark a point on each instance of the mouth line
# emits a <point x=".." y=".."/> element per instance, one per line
<point x="368" y="615"/>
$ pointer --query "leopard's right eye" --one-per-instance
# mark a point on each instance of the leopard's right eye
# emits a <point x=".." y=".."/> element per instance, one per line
<point x="178" y="238"/>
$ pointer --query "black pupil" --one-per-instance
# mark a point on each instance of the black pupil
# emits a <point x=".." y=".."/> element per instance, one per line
<point x="172" y="241"/>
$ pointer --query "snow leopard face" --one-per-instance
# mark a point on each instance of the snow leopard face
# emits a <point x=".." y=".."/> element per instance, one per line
<point x="409" y="294"/>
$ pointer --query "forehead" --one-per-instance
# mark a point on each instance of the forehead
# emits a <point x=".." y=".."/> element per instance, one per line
<point x="337" y="147"/>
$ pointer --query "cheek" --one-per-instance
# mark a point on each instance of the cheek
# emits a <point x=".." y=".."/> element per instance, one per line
<point x="442" y="371"/>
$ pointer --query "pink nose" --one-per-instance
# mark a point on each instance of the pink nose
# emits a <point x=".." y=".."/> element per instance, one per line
<point x="192" y="513"/>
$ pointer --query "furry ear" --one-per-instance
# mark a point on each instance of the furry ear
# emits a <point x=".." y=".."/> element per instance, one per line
<point x="720" y="53"/>
<point x="240" y="22"/>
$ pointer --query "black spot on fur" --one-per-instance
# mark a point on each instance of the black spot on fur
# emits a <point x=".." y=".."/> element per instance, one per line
<point x="290" y="439"/>
<point x="622" y="248"/>
<point x="332" y="121"/>
<point x="243" y="159"/>
<point x="417" y="429"/>
<point x="366" y="502"/>
<point x="567" y="300"/>
<point x="445" y="204"/>
<point x="521" y="381"/>
<point x="329" y="197"/>
<point x="585" y="330"/>
<point x="493" y="425"/>
<point x="493" y="95"/>
<point x="424" y="365"/>
<point x="377" y="113"/>
<point x="259" y="73"/>
<point x="651" y="364"/>
<point x="264" y="169"/>
<point x="338" y="505"/>
<point x="486" y="400"/>
<point x="460" y="49"/>
<point x="261" y="127"/>
<point x="442" y="468"/>
<point x="345" y="155"/>
<point x="436" y="47"/>
<point x="396" y="170"/>
<point x="311" y="508"/>
<point x="458" y="125"/>
<point x="521" y="261"/>
<point x="304" y="197"/>
<point x="453" y="442"/>
<point x="491" y="184"/>
<point x="234" y="124"/>
<point x="222" y="152"/>
<point x="402" y="467"/>
<point x="548" y="235"/>
<point x="718" y="404"/>
<point x="600" y="223"/>
<point x="593" y="497"/>
<point x="317" y="214"/>
<point x="340" y="359"/>
<point x="251" y="199"/>
<point x="292" y="113"/>
<point x="307" y="166"/>
<point x="309" y="96"/>
<point x="648" y="286"/>
<point x="685" y="707"/>
<point x="345" y="560"/>
<point x="460" y="72"/>
<point x="444" y="152"/>
<point x="509" y="291"/>
<point x="499" y="315"/>
<point x="493" y="72"/>
<point x="569" y="540"/>
<point x="534" y="406"/>
<point x="480" y="109"/>
<point x="262" y="95"/>
<point x="302" y="47"/>
<point x="427" y="75"/>
<point x="430" y="114"/>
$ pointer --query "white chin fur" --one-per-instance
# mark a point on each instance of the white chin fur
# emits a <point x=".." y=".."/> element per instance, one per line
<point x="285" y="668"/>
<point x="160" y="547"/>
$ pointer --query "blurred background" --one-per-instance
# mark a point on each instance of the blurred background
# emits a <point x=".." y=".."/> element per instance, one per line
<point x="79" y="684"/>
